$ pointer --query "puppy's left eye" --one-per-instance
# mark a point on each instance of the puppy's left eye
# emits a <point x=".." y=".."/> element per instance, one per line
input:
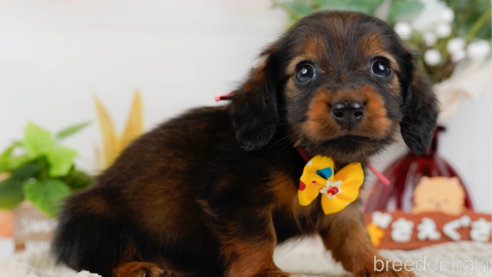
<point x="305" y="72"/>
<point x="381" y="68"/>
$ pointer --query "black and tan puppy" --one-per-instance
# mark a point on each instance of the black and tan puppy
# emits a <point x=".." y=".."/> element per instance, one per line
<point x="212" y="192"/>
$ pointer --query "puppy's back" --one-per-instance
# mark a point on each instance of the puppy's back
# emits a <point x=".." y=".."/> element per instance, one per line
<point x="144" y="206"/>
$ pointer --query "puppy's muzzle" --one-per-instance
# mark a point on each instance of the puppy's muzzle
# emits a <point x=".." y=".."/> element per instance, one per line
<point x="348" y="114"/>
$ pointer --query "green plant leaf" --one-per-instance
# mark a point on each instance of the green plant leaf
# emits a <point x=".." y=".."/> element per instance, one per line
<point x="352" y="5"/>
<point x="72" y="130"/>
<point x="37" y="140"/>
<point x="46" y="195"/>
<point x="11" y="193"/>
<point x="26" y="171"/>
<point x="61" y="161"/>
<point x="401" y="9"/>
<point x="17" y="161"/>
<point x="297" y="10"/>
<point x="6" y="157"/>
<point x="77" y="179"/>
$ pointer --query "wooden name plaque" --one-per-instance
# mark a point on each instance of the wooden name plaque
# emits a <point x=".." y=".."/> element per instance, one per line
<point x="401" y="230"/>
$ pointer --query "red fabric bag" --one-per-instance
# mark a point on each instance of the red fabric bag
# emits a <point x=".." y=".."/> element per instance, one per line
<point x="404" y="175"/>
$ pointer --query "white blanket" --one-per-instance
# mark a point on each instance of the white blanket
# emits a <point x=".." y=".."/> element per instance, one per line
<point x="305" y="256"/>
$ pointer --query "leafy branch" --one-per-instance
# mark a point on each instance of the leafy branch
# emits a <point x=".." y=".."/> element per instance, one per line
<point x="43" y="173"/>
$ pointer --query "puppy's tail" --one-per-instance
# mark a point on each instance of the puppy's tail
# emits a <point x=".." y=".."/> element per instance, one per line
<point x="87" y="239"/>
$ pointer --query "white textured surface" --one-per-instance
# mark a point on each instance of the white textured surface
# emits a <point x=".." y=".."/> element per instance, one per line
<point x="37" y="263"/>
<point x="305" y="256"/>
<point x="7" y="247"/>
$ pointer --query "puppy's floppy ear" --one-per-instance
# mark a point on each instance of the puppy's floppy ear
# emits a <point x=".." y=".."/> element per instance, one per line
<point x="253" y="109"/>
<point x="420" y="108"/>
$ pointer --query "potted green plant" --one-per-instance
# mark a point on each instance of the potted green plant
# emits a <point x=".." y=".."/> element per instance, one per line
<point x="397" y="9"/>
<point x="38" y="174"/>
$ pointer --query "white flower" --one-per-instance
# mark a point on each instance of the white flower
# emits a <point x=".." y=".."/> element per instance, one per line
<point x="429" y="17"/>
<point x="478" y="50"/>
<point x="458" y="56"/>
<point x="456" y="45"/>
<point x="430" y="39"/>
<point x="432" y="57"/>
<point x="423" y="25"/>
<point x="403" y="29"/>
<point x="329" y="185"/>
<point x="447" y="15"/>
<point x="443" y="30"/>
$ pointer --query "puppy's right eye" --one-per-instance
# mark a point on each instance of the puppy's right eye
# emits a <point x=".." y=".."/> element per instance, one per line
<point x="305" y="72"/>
<point x="381" y="68"/>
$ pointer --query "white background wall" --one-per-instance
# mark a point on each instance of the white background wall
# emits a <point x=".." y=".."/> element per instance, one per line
<point x="56" y="54"/>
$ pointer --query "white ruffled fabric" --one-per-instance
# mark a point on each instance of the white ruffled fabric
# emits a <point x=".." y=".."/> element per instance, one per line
<point x="38" y="263"/>
<point x="305" y="256"/>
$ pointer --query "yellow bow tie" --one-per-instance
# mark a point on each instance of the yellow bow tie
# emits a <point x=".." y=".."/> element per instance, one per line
<point x="338" y="190"/>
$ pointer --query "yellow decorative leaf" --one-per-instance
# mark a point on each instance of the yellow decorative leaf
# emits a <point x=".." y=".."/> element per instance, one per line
<point x="375" y="233"/>
<point x="134" y="125"/>
<point x="110" y="143"/>
<point x="100" y="162"/>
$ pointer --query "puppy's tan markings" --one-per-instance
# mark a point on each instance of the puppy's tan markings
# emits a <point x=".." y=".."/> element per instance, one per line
<point x="373" y="47"/>
<point x="290" y="88"/>
<point x="313" y="49"/>
<point x="257" y="261"/>
<point x="314" y="46"/>
<point x="349" y="96"/>
<point x="395" y="86"/>
<point x="140" y="269"/>
<point x="375" y="120"/>
<point x="319" y="122"/>
<point x="248" y="258"/>
<point x="291" y="68"/>
<point x="284" y="190"/>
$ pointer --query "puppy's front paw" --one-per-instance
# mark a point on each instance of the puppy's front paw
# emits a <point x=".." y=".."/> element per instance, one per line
<point x="388" y="270"/>
<point x="381" y="268"/>
<point x="140" y="269"/>
<point x="391" y="273"/>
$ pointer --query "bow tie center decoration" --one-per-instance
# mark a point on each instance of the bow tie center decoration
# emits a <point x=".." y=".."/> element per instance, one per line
<point x="337" y="190"/>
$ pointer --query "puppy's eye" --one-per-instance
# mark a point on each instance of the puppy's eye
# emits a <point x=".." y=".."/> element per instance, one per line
<point x="305" y="72"/>
<point x="381" y="68"/>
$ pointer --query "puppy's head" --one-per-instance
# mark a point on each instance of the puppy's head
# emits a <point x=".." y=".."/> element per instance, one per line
<point x="337" y="84"/>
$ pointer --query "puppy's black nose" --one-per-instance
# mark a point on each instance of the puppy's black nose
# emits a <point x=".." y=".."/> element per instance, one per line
<point x="347" y="114"/>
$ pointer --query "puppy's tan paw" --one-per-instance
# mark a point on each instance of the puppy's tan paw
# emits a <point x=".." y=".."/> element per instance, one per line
<point x="381" y="270"/>
<point x="140" y="269"/>
<point x="391" y="273"/>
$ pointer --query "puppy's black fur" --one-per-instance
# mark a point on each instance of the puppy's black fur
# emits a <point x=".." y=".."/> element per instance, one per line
<point x="212" y="192"/>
